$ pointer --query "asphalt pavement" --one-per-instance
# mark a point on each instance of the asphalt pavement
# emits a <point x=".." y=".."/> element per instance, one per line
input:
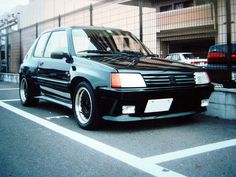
<point x="45" y="140"/>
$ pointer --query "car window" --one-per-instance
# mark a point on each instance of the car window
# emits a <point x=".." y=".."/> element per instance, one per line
<point x="188" y="56"/>
<point x="168" y="57"/>
<point x="41" y="45"/>
<point x="106" y="40"/>
<point x="57" y="42"/>
<point x="174" y="57"/>
<point x="177" y="57"/>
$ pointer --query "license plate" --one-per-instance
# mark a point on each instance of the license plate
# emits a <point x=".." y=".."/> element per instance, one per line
<point x="158" y="105"/>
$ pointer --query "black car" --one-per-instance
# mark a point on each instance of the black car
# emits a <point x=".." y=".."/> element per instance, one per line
<point x="108" y="74"/>
<point x="217" y="63"/>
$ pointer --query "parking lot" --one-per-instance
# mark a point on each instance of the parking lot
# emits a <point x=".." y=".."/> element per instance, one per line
<point x="45" y="140"/>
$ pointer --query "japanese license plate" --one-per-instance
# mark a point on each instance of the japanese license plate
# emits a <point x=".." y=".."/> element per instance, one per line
<point x="158" y="105"/>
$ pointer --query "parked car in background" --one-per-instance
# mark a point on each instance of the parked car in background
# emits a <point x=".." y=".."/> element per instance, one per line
<point x="106" y="73"/>
<point x="217" y="63"/>
<point x="187" y="57"/>
<point x="3" y="65"/>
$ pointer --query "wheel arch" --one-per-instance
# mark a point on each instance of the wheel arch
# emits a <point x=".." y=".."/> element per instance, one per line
<point x="75" y="81"/>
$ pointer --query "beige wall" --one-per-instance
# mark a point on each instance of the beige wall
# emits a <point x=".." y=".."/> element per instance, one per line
<point x="40" y="10"/>
<point x="121" y="16"/>
<point x="187" y="17"/>
<point x="14" y="52"/>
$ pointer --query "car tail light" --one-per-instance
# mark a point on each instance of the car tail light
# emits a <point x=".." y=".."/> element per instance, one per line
<point x="215" y="55"/>
<point x="195" y="63"/>
<point x="233" y="56"/>
<point x="199" y="63"/>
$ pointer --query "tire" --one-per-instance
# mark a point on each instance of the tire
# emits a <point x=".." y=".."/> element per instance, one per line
<point x="27" y="92"/>
<point x="85" y="107"/>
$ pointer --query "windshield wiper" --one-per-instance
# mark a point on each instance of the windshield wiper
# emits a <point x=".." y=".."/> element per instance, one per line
<point x="123" y="53"/>
<point x="95" y="51"/>
<point x="153" y="55"/>
<point x="132" y="53"/>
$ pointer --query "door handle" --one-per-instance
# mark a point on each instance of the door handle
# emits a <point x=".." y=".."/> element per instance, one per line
<point x="41" y="63"/>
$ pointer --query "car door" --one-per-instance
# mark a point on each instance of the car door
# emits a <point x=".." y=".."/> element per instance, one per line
<point x="53" y="74"/>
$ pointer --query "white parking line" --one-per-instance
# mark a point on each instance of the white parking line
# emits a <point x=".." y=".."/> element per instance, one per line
<point x="9" y="100"/>
<point x="57" y="117"/>
<point x="7" y="89"/>
<point x="190" y="152"/>
<point x="122" y="156"/>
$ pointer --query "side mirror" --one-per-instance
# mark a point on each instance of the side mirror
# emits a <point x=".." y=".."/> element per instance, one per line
<point x="61" y="55"/>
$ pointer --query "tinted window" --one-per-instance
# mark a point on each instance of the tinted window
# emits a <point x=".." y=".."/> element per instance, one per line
<point x="165" y="8"/>
<point x="106" y="40"/>
<point x="41" y="45"/>
<point x="181" y="5"/>
<point x="188" y="56"/>
<point x="57" y="42"/>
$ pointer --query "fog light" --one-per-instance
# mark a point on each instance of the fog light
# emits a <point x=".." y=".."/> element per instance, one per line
<point x="128" y="109"/>
<point x="204" y="102"/>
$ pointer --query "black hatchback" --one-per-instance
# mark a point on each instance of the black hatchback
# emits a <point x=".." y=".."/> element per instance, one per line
<point x="108" y="74"/>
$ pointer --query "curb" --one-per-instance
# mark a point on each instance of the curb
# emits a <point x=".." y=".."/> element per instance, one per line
<point x="222" y="104"/>
<point x="9" y="77"/>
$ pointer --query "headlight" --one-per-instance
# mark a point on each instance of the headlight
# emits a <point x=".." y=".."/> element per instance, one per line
<point x="201" y="78"/>
<point x="119" y="80"/>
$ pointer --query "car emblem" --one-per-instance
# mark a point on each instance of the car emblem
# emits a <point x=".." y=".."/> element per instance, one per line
<point x="172" y="80"/>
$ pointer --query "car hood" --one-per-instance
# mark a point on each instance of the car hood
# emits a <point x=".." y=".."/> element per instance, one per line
<point x="142" y="63"/>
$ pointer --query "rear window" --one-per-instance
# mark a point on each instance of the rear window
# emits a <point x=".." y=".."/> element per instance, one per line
<point x="188" y="56"/>
<point x="222" y="48"/>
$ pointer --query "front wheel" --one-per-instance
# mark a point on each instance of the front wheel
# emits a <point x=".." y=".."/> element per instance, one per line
<point x="84" y="106"/>
<point x="26" y="92"/>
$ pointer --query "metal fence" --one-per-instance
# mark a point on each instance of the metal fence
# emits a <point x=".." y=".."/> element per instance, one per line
<point x="164" y="26"/>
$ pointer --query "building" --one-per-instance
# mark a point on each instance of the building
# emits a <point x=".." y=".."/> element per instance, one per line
<point x="163" y="25"/>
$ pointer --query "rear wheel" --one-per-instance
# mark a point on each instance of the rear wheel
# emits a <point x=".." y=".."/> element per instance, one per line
<point x="26" y="92"/>
<point x="84" y="107"/>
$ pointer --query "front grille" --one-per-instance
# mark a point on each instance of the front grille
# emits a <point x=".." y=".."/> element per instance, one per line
<point x="166" y="80"/>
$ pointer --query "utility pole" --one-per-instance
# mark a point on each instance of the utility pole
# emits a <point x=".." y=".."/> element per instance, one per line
<point x="91" y="13"/>
<point x="140" y="20"/>
<point x="229" y="41"/>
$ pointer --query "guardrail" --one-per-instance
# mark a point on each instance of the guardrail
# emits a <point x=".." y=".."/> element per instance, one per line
<point x="9" y="77"/>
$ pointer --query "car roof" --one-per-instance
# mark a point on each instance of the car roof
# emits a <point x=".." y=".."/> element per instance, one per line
<point x="82" y="27"/>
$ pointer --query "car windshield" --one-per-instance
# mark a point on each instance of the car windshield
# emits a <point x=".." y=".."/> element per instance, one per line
<point x="188" y="56"/>
<point x="94" y="41"/>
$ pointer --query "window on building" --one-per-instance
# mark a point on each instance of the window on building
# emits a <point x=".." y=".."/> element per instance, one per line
<point x="57" y="42"/>
<point x="181" y="5"/>
<point x="41" y="45"/>
<point x="201" y="2"/>
<point x="2" y="55"/>
<point x="165" y="8"/>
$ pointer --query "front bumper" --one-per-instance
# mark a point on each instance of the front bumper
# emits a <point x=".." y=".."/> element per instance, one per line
<point x="186" y="101"/>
